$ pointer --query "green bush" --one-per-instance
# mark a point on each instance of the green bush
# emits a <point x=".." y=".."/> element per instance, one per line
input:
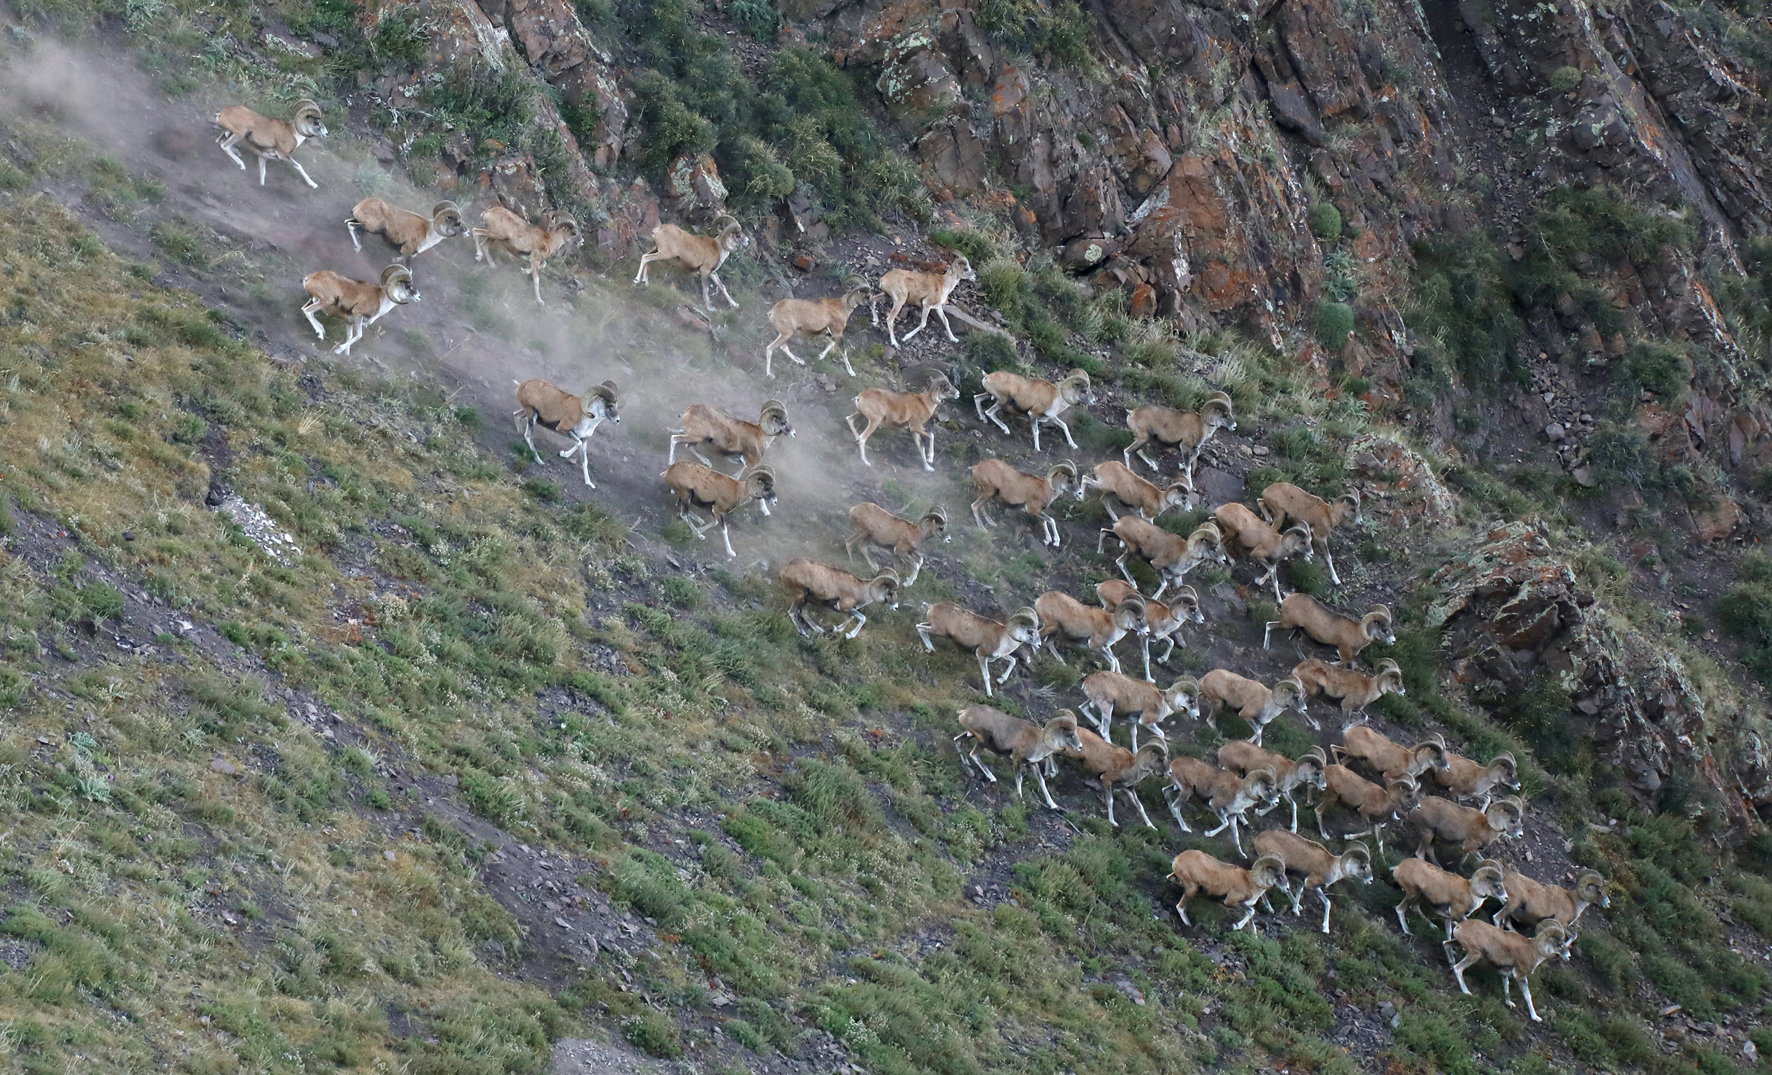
<point x="758" y="18"/>
<point x="654" y="1033"/>
<point x="990" y="351"/>
<point x="1662" y="368"/>
<point x="1325" y="222"/>
<point x="1564" y="79"/>
<point x="1335" y="320"/>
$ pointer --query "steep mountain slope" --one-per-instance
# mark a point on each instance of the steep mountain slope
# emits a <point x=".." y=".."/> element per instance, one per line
<point x="334" y="733"/>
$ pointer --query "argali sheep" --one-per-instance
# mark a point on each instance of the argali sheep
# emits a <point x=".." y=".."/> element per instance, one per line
<point x="996" y="480"/>
<point x="1306" y="771"/>
<point x="1095" y="629"/>
<point x="1470" y="829"/>
<point x="901" y="410"/>
<point x="1282" y="501"/>
<point x="269" y="139"/>
<point x="360" y="304"/>
<point x="1171" y="556"/>
<point x="1118" y="769"/>
<point x="409" y="233"/>
<point x="1162" y="619"/>
<point x="808" y="581"/>
<point x="988" y="639"/>
<point x="929" y="290"/>
<point x="1259" y="705"/>
<point x="1196" y="872"/>
<point x="1530" y="902"/>
<point x="1375" y="805"/>
<point x="1465" y="779"/>
<point x="814" y="317"/>
<point x="1247" y="536"/>
<point x="1226" y="794"/>
<point x="504" y="230"/>
<point x="1453" y="898"/>
<point x="1516" y="957"/>
<point x="702" y="487"/>
<point x="1170" y="428"/>
<point x="699" y="254"/>
<point x="1143" y="704"/>
<point x="1302" y="612"/>
<point x="875" y="527"/>
<point x="1390" y="759"/>
<point x="1040" y="400"/>
<point x="705" y="426"/>
<point x="1320" y="867"/>
<point x="1024" y="743"/>
<point x="1354" y="690"/>
<point x="1117" y="482"/>
<point x="539" y="402"/>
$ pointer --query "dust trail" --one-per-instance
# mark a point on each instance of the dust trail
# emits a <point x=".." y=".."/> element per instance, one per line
<point x="477" y="327"/>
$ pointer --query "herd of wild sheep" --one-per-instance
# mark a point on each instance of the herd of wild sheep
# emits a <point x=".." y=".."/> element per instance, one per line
<point x="1286" y="522"/>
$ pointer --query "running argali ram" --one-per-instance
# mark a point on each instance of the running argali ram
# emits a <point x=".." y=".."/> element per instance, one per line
<point x="875" y="527"/>
<point x="1467" y="828"/>
<point x="1117" y="483"/>
<point x="1375" y="805"/>
<point x="407" y="232"/>
<point x="928" y="290"/>
<point x="1355" y="691"/>
<point x="814" y="317"/>
<point x="539" y="402"/>
<point x="699" y="254"/>
<point x="1222" y="689"/>
<point x="1302" y="612"/>
<point x="358" y="303"/>
<point x="1162" y="620"/>
<point x="1197" y="872"/>
<point x="1390" y="759"/>
<point x="1463" y="778"/>
<point x="1516" y="957"/>
<point x="701" y="487"/>
<point x="1171" y="556"/>
<point x="1025" y="744"/>
<point x="901" y="410"/>
<point x="998" y="481"/>
<point x="1530" y="902"/>
<point x="1169" y="428"/>
<point x="1320" y="867"/>
<point x="1040" y="400"/>
<point x="1246" y="536"/>
<point x="1095" y="629"/>
<point x="705" y="426"/>
<point x="504" y="230"/>
<point x="1226" y="794"/>
<point x="1145" y="705"/>
<point x="1306" y="771"/>
<point x="989" y="640"/>
<point x="810" y="582"/>
<point x="1282" y="502"/>
<point x="1118" y="769"/>
<point x="1448" y="895"/>
<point x="269" y="139"/>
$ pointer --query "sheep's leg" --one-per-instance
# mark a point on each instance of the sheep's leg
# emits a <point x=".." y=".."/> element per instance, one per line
<point x="927" y="452"/>
<point x="1132" y="793"/>
<point x="1163" y="581"/>
<point x="1067" y="430"/>
<point x="584" y="462"/>
<point x="1267" y="631"/>
<point x="1041" y="778"/>
<point x="1101" y="539"/>
<point x="1248" y="915"/>
<point x="1121" y="564"/>
<point x="859" y="620"/>
<point x="1034" y="424"/>
<point x="353" y="332"/>
<point x="920" y="325"/>
<point x="978" y="515"/>
<point x="1107" y="503"/>
<point x="1144" y="649"/>
<point x="715" y="277"/>
<point x="529" y="436"/>
<point x="308" y="312"/>
<point x="1463" y="965"/>
<point x="1294" y="803"/>
<point x="991" y="414"/>
<point x="1526" y="991"/>
<point x="726" y="535"/>
<point x="1008" y="669"/>
<point x="916" y="562"/>
<point x="1321" y="831"/>
<point x="293" y="163"/>
<point x="847" y="368"/>
<point x="861" y="440"/>
<point x="1181" y="909"/>
<point x="261" y="169"/>
<point x="1325" y="897"/>
<point x="1169" y="638"/>
<point x="1378" y="838"/>
<point x="1050" y="526"/>
<point x="227" y="146"/>
<point x="351" y="226"/>
<point x="942" y="310"/>
<point x="1174" y="800"/>
<point x="1107" y="792"/>
<point x="641" y="277"/>
<point x="535" y="277"/>
<point x="1149" y="462"/>
<point x="892" y="322"/>
<point x="1402" y="920"/>
<point x="700" y="532"/>
<point x="1329" y="557"/>
<point x="984" y="671"/>
<point x="986" y="770"/>
<point x="978" y="399"/>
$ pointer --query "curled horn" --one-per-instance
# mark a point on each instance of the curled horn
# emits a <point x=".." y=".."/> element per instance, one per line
<point x="1133" y="601"/>
<point x="566" y="222"/>
<point x="774" y="406"/>
<point x="762" y="474"/>
<point x="1315" y="753"/>
<point x="1358" y="850"/>
<point x="727" y="222"/>
<point x="1380" y="612"/>
<point x="1507" y="759"/>
<point x="888" y="573"/>
<point x="1270" y="868"/>
<point x="1491" y="865"/>
<point x="1068" y="468"/>
<point x="1188" y="685"/>
<point x="1513" y="804"/>
<point x="938" y="513"/>
<point x="856" y="282"/>
<point x="605" y="391"/>
<point x="1217" y="399"/>
<point x="1386" y="664"/>
<point x="447" y="215"/>
<point x="1266" y="773"/>
<point x="1025" y="615"/>
<point x="395" y="272"/>
<point x="1588" y="884"/>
<point x="306" y="106"/>
<point x="1294" y="687"/>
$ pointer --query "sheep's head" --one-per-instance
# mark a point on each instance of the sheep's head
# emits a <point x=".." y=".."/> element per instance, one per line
<point x="1312" y="767"/>
<point x="1176" y="496"/>
<point x="1552" y="941"/>
<point x="1184" y="696"/>
<point x="1349" y="504"/>
<point x="1404" y="794"/>
<point x="606" y="393"/>
<point x="1129" y="615"/>
<point x="1152" y="757"/>
<point x="730" y="232"/>
<point x="1062" y="478"/>
<point x="760" y="485"/>
<point x="1268" y="871"/>
<point x="1290" y="691"/>
<point x="1076" y="388"/>
<point x="1261" y="785"/>
<point x="1356" y="862"/>
<point x="884" y="587"/>
<point x="962" y="268"/>
<point x="1431" y="754"/>
<point x="1207" y="540"/>
<point x="396" y="280"/>
<point x="567" y="229"/>
<point x="1507" y="816"/>
<point x="1024" y="626"/>
<point x="1061" y="731"/>
<point x="934" y="523"/>
<point x="305" y="118"/>
<point x="1296" y="541"/>
<point x="1187" y="600"/>
<point x="943" y="388"/>
<point x="1505" y="770"/>
<point x="1377" y="625"/>
<point x="773" y="419"/>
<point x="1590" y="887"/>
<point x="446" y="219"/>
<point x="1216" y="411"/>
<point x="1390" y="678"/>
<point x="1486" y="881"/>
